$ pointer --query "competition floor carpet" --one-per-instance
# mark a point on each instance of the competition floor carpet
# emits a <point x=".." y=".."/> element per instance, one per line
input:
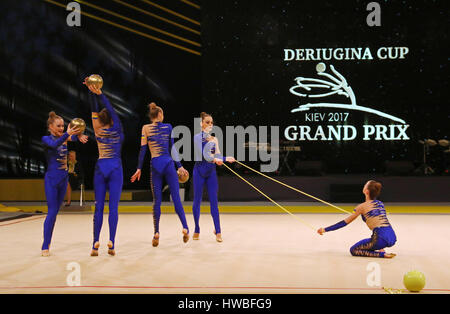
<point x="230" y="207"/>
<point x="267" y="252"/>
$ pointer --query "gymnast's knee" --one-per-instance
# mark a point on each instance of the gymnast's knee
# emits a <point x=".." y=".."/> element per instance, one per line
<point x="157" y="201"/>
<point x="392" y="242"/>
<point x="50" y="219"/>
<point x="99" y="206"/>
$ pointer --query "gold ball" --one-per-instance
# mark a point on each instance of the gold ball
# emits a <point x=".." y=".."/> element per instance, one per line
<point x="95" y="80"/>
<point x="80" y="123"/>
<point x="183" y="178"/>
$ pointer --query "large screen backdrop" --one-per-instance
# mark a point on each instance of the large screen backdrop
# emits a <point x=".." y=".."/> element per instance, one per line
<point x="351" y="95"/>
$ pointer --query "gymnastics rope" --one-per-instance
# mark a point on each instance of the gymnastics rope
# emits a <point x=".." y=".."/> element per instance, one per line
<point x="301" y="220"/>
<point x="292" y="188"/>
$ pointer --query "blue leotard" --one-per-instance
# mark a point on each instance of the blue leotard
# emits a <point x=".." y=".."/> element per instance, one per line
<point x="158" y="137"/>
<point x="382" y="233"/>
<point x="55" y="181"/>
<point x="108" y="173"/>
<point x="205" y="174"/>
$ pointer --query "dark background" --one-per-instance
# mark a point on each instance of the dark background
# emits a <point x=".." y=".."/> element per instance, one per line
<point x="44" y="62"/>
<point x="241" y="78"/>
<point x="246" y="80"/>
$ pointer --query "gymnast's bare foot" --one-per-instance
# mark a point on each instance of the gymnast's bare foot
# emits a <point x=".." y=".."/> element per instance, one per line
<point x="111" y="251"/>
<point x="94" y="251"/>
<point x="155" y="240"/>
<point x="390" y="255"/>
<point x="45" y="253"/>
<point x="185" y="235"/>
<point x="196" y="236"/>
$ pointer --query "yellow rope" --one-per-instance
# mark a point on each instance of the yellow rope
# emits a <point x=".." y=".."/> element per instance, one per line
<point x="292" y="188"/>
<point x="157" y="17"/>
<point x="171" y="12"/>
<point x="393" y="291"/>
<point x="139" y="23"/>
<point x="191" y="4"/>
<point x="302" y="221"/>
<point x="129" y="29"/>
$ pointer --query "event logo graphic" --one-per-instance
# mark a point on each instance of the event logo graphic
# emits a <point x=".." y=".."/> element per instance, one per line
<point x="336" y="85"/>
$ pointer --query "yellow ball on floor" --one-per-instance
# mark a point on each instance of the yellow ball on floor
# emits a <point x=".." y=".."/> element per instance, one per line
<point x="414" y="281"/>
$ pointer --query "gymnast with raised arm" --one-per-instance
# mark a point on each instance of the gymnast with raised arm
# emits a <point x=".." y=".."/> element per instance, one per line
<point x="108" y="175"/>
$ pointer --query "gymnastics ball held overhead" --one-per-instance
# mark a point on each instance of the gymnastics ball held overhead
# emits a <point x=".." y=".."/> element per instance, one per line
<point x="95" y="80"/>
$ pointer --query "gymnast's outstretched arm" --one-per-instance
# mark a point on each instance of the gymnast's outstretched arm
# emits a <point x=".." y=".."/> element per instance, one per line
<point x="94" y="107"/>
<point x="49" y="142"/>
<point x="92" y="97"/>
<point x="219" y="159"/>
<point x="70" y="132"/>
<point x="341" y="223"/>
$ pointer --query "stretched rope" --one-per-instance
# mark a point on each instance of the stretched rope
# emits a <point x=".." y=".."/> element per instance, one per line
<point x="292" y="188"/>
<point x="301" y="220"/>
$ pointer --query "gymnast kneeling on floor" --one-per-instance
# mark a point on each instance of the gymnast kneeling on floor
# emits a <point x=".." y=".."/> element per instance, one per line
<point x="373" y="213"/>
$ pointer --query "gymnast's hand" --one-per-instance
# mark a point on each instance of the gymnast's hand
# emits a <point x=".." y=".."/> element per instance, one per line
<point x="218" y="161"/>
<point x="72" y="130"/>
<point x="136" y="175"/>
<point x="183" y="171"/>
<point x="321" y="231"/>
<point x="230" y="159"/>
<point x="83" y="138"/>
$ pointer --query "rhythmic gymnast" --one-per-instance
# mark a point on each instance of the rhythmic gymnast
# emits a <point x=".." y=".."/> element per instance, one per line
<point x="157" y="137"/>
<point x="207" y="155"/>
<point x="108" y="173"/>
<point x="374" y="215"/>
<point x="56" y="176"/>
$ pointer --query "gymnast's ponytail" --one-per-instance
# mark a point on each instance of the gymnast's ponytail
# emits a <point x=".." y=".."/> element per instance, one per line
<point x="154" y="110"/>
